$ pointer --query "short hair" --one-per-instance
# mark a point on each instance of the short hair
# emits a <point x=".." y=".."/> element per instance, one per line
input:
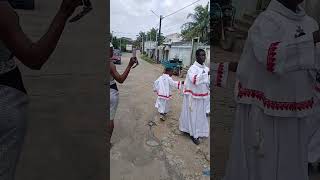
<point x="168" y="69"/>
<point x="198" y="51"/>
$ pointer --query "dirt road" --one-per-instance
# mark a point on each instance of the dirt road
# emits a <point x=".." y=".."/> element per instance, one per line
<point x="151" y="152"/>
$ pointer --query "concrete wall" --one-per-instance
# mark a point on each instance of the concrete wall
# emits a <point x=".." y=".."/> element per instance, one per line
<point x="184" y="53"/>
<point x="150" y="45"/>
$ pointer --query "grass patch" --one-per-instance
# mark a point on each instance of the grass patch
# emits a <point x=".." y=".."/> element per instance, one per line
<point x="146" y="58"/>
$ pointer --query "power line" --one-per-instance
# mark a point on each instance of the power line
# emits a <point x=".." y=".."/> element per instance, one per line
<point x="154" y="13"/>
<point x="169" y="27"/>
<point x="181" y="9"/>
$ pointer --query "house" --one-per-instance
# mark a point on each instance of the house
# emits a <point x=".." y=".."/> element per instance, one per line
<point x="172" y="38"/>
<point x="164" y="49"/>
<point x="150" y="48"/>
<point x="183" y="51"/>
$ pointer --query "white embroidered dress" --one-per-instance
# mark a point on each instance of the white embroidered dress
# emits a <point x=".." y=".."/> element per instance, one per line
<point x="196" y="101"/>
<point x="277" y="95"/>
<point x="163" y="87"/>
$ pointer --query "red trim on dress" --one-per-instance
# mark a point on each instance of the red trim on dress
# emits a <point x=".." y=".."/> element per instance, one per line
<point x="219" y="75"/>
<point x="179" y="85"/>
<point x="274" y="105"/>
<point x="194" y="79"/>
<point x="164" y="96"/>
<point x="271" y="56"/>
<point x="195" y="94"/>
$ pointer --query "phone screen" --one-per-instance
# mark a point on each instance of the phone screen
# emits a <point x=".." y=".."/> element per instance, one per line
<point x="134" y="51"/>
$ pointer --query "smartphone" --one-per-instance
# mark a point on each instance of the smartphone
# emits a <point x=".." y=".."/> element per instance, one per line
<point x="134" y="52"/>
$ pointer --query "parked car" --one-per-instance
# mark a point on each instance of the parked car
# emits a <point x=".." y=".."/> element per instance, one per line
<point x="116" y="56"/>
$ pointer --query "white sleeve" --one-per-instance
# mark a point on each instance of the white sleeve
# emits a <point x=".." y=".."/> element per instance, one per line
<point x="175" y="84"/>
<point x="279" y="55"/>
<point x="156" y="86"/>
<point x="198" y="78"/>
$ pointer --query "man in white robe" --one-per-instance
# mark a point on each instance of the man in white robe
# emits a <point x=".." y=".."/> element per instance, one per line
<point x="276" y="96"/>
<point x="163" y="87"/>
<point x="196" y="101"/>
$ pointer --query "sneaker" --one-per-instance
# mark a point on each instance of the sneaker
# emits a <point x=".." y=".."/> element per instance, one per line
<point x="195" y="140"/>
<point x="162" y="117"/>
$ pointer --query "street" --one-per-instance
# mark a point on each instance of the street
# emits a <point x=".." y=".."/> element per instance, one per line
<point x="144" y="147"/>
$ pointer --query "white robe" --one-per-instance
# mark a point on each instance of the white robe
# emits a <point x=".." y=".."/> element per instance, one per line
<point x="163" y="87"/>
<point x="208" y="99"/>
<point x="196" y="101"/>
<point x="276" y="98"/>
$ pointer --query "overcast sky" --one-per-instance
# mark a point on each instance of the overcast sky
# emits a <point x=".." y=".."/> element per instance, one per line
<point x="129" y="17"/>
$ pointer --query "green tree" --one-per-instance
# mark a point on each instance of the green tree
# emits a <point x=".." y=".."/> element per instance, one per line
<point x="115" y="42"/>
<point x="152" y="34"/>
<point x="198" y="26"/>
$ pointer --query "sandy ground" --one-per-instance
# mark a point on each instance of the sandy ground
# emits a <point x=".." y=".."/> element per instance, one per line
<point x="144" y="147"/>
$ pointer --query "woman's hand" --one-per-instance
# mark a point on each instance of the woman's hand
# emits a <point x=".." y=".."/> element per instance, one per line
<point x="132" y="62"/>
<point x="68" y="6"/>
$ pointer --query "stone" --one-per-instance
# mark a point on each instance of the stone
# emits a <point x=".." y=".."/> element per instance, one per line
<point x="152" y="143"/>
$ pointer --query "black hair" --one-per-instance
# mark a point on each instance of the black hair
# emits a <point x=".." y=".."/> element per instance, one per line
<point x="198" y="51"/>
<point x="168" y="69"/>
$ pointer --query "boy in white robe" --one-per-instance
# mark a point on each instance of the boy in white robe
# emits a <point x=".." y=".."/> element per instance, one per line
<point x="196" y="102"/>
<point x="276" y="96"/>
<point x="163" y="87"/>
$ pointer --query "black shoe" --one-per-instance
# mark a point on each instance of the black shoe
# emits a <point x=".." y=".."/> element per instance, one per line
<point x="162" y="117"/>
<point x="195" y="140"/>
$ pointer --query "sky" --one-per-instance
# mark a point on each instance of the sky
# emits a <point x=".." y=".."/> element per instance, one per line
<point x="129" y="17"/>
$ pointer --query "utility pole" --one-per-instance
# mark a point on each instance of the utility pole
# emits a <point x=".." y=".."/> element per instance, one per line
<point x="159" y="38"/>
<point x="159" y="35"/>
<point x="120" y="43"/>
<point x="142" y="44"/>
<point x="112" y="39"/>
